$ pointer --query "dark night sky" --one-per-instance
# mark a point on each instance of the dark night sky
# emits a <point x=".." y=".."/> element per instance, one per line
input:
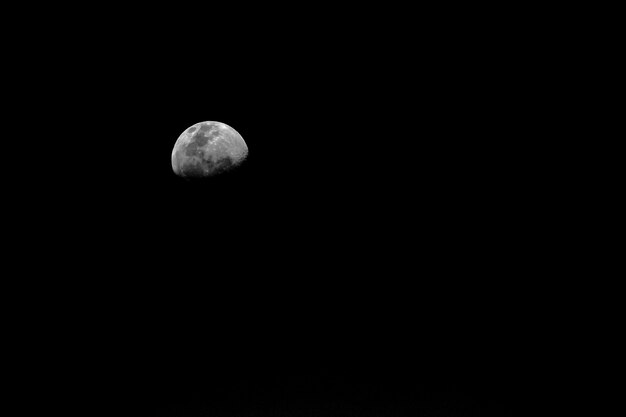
<point x="373" y="253"/>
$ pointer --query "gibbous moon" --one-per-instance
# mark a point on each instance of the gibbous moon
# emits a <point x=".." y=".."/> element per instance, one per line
<point x="206" y="149"/>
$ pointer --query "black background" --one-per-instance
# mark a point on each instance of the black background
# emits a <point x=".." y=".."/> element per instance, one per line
<point x="375" y="255"/>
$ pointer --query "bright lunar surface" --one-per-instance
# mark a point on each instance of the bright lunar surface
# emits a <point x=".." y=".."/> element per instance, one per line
<point x="206" y="149"/>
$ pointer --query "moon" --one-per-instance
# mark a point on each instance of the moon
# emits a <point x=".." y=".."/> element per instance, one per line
<point x="206" y="149"/>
